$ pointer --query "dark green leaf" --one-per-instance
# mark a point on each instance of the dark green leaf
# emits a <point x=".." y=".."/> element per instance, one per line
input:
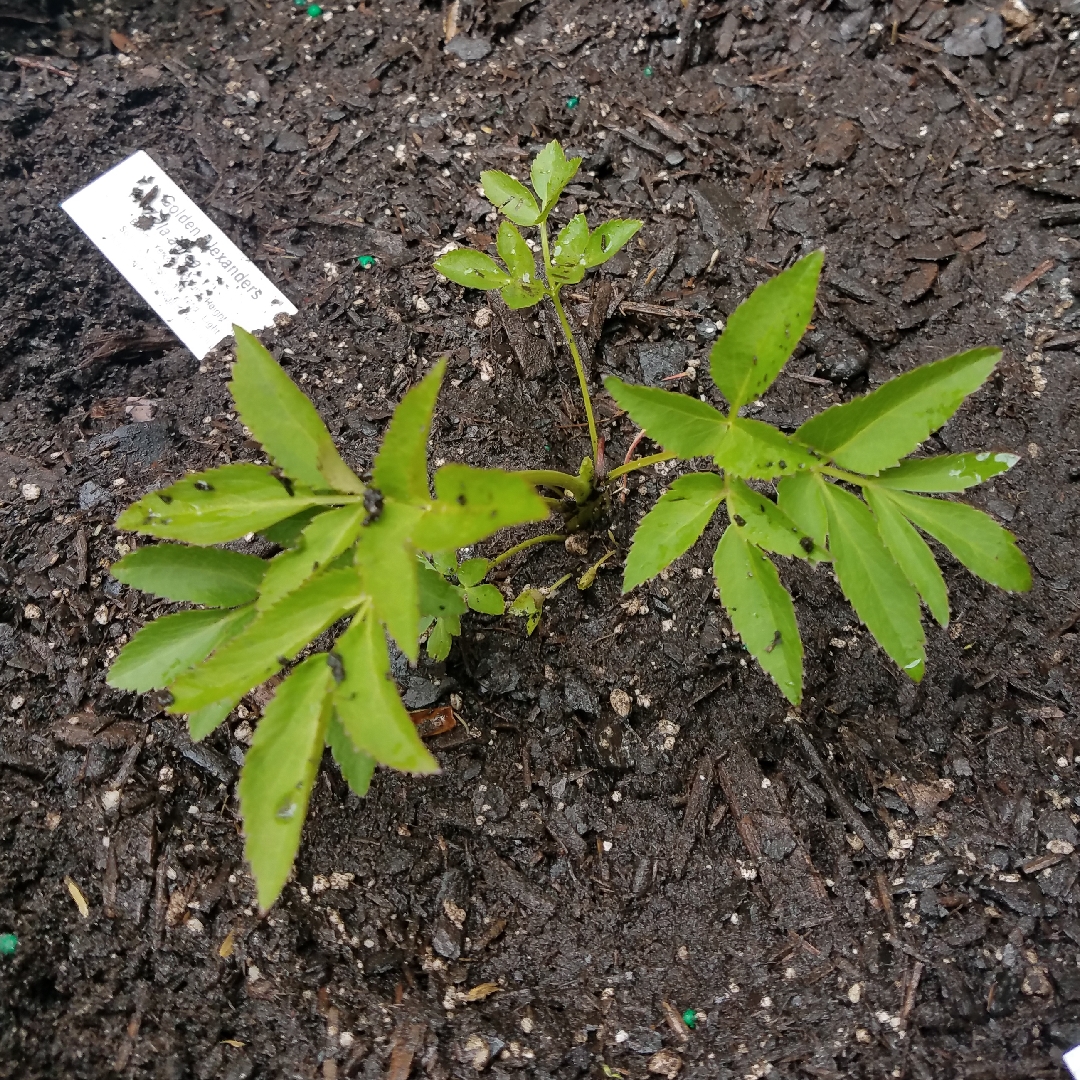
<point x="757" y="451"/>
<point x="217" y="506"/>
<point x="440" y="639"/>
<point x="368" y="705"/>
<point x="510" y="196"/>
<point x="473" y="269"/>
<point x="800" y="497"/>
<point x="760" y="609"/>
<point x="278" y="774"/>
<point x="438" y="598"/>
<point x="473" y="571"/>
<point x="518" y="295"/>
<point x="198" y="575"/>
<point x="950" y="472"/>
<point x="284" y="421"/>
<point x="979" y="542"/>
<point x="875" y="431"/>
<point x="672" y="526"/>
<point x="517" y="255"/>
<point x="609" y="239"/>
<point x="268" y="642"/>
<point x="356" y="766"/>
<point x="400" y="469"/>
<point x="763" y="332"/>
<point x="910" y="551"/>
<point x="568" y="252"/>
<point x="680" y="424"/>
<point x="763" y="522"/>
<point x="486" y="599"/>
<point x="550" y="173"/>
<point x="874" y="585"/>
<point x="286" y="534"/>
<point x="164" y="648"/>
<point x="471" y="504"/>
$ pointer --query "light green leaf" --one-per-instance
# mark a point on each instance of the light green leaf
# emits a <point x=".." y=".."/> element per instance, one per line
<point x="326" y="537"/>
<point x="278" y="774"/>
<point x="268" y="642"/>
<point x="800" y="497"/>
<point x="205" y="720"/>
<point x="217" y="506"/>
<point x="486" y="599"/>
<point x="609" y="239"/>
<point x="517" y="255"/>
<point x="875" y="431"/>
<point x="473" y="269"/>
<point x="518" y="295"/>
<point x="400" y="469"/>
<point x="356" y="766"/>
<point x="164" y="648"/>
<point x="763" y="522"/>
<point x="445" y="561"/>
<point x="510" y="196"/>
<point x="441" y="638"/>
<point x="568" y="252"/>
<point x="757" y="451"/>
<point x="471" y="504"/>
<point x="949" y="472"/>
<point x="529" y="604"/>
<point x="550" y="173"/>
<point x="473" y="571"/>
<point x="874" y="585"/>
<point x="672" y="526"/>
<point x="979" y="542"/>
<point x="911" y="552"/>
<point x="438" y="598"/>
<point x="284" y="421"/>
<point x="388" y="564"/>
<point x="763" y="332"/>
<point x="760" y="609"/>
<point x="680" y="424"/>
<point x="368" y="705"/>
<point x="198" y="575"/>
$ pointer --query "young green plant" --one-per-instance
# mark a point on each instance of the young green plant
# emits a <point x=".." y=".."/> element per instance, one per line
<point x="349" y="552"/>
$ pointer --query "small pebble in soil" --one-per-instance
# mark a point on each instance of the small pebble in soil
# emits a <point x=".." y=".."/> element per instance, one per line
<point x="8" y="944"/>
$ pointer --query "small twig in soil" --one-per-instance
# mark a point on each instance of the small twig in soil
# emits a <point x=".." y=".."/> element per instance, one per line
<point x="42" y="65"/>
<point x="1029" y="279"/>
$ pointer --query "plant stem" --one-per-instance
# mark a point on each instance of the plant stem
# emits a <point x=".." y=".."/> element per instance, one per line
<point x="840" y="474"/>
<point x="583" y="382"/>
<point x="547" y="538"/>
<point x="561" y="481"/>
<point x="641" y="463"/>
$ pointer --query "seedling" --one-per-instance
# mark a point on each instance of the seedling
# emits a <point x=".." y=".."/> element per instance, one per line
<point x="881" y="561"/>
<point x="529" y="603"/>
<point x="349" y="552"/>
<point x="442" y="603"/>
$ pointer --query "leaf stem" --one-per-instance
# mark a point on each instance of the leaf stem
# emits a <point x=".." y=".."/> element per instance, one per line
<point x="547" y="538"/>
<point x="551" y="478"/>
<point x="640" y="463"/>
<point x="841" y="474"/>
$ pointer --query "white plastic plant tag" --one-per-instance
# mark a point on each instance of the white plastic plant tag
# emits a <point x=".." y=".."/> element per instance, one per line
<point x="1071" y="1061"/>
<point x="174" y="256"/>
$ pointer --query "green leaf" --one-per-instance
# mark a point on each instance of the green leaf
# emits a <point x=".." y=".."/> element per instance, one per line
<point x="680" y="424"/>
<point x="517" y="255"/>
<point x="911" y="552"/>
<point x="609" y="239"/>
<point x="471" y="504"/>
<point x="473" y="269"/>
<point x="800" y="497"/>
<point x="510" y="196"/>
<point x="874" y="585"/>
<point x="205" y="720"/>
<point x="875" y="431"/>
<point x="763" y="332"/>
<point x="486" y="599"/>
<point x="529" y="604"/>
<point x="217" y="506"/>
<point x="278" y="774"/>
<point x="764" y="523"/>
<point x="387" y="561"/>
<point x="568" y="253"/>
<point x="400" y="469"/>
<point x="440" y="639"/>
<point x="161" y="650"/>
<point x="550" y="173"/>
<point x="356" y="766"/>
<point x="368" y="705"/>
<point x="286" y="534"/>
<point x="757" y="451"/>
<point x="473" y="571"/>
<point x="198" y="575"/>
<point x="760" y="609"/>
<point x="268" y="642"/>
<point x="672" y="526"/>
<point x="979" y="542"/>
<point x="518" y="294"/>
<point x="321" y="542"/>
<point x="445" y="562"/>
<point x="438" y="598"/>
<point x="949" y="472"/>
<point x="284" y="420"/>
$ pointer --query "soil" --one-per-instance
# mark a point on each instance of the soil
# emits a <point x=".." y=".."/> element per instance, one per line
<point x="882" y="884"/>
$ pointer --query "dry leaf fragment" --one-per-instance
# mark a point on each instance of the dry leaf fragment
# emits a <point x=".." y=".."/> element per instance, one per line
<point x="450" y="27"/>
<point x="484" y="990"/>
<point x="227" y="945"/>
<point x="77" y="896"/>
<point x="121" y="42"/>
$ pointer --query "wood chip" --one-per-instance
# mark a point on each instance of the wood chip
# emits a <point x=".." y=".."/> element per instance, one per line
<point x="77" y="896"/>
<point x="432" y="722"/>
<point x="484" y="990"/>
<point x="1029" y="279"/>
<point x="227" y="945"/>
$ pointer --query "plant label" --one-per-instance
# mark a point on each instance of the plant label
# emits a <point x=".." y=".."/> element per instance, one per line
<point x="174" y="256"/>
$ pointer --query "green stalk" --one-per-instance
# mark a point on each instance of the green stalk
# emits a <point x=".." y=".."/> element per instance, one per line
<point x="840" y="474"/>
<point x="560" y="481"/>
<point x="640" y="463"/>
<point x="547" y="538"/>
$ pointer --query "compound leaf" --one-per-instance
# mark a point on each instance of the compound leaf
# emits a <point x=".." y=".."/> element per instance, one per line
<point x="760" y="609"/>
<point x="356" y="766"/>
<point x="510" y="196"/>
<point x="550" y="173"/>
<point x="568" y="252"/>
<point x="672" y="526"/>
<point x="757" y="451"/>
<point x="439" y="640"/>
<point x="473" y="269"/>
<point x="438" y="598"/>
<point x="198" y="575"/>
<point x="949" y="472"/>
<point x="873" y="583"/>
<point x="473" y="571"/>
<point x="609" y="239"/>
<point x="875" y="431"/>
<point x="680" y="424"/>
<point x="400" y="468"/>
<point x="763" y="331"/>
<point x="486" y="599"/>
<point x="517" y="255"/>
<point x="763" y="522"/>
<point x="284" y="421"/>
<point x="800" y="497"/>
<point x="279" y="771"/>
